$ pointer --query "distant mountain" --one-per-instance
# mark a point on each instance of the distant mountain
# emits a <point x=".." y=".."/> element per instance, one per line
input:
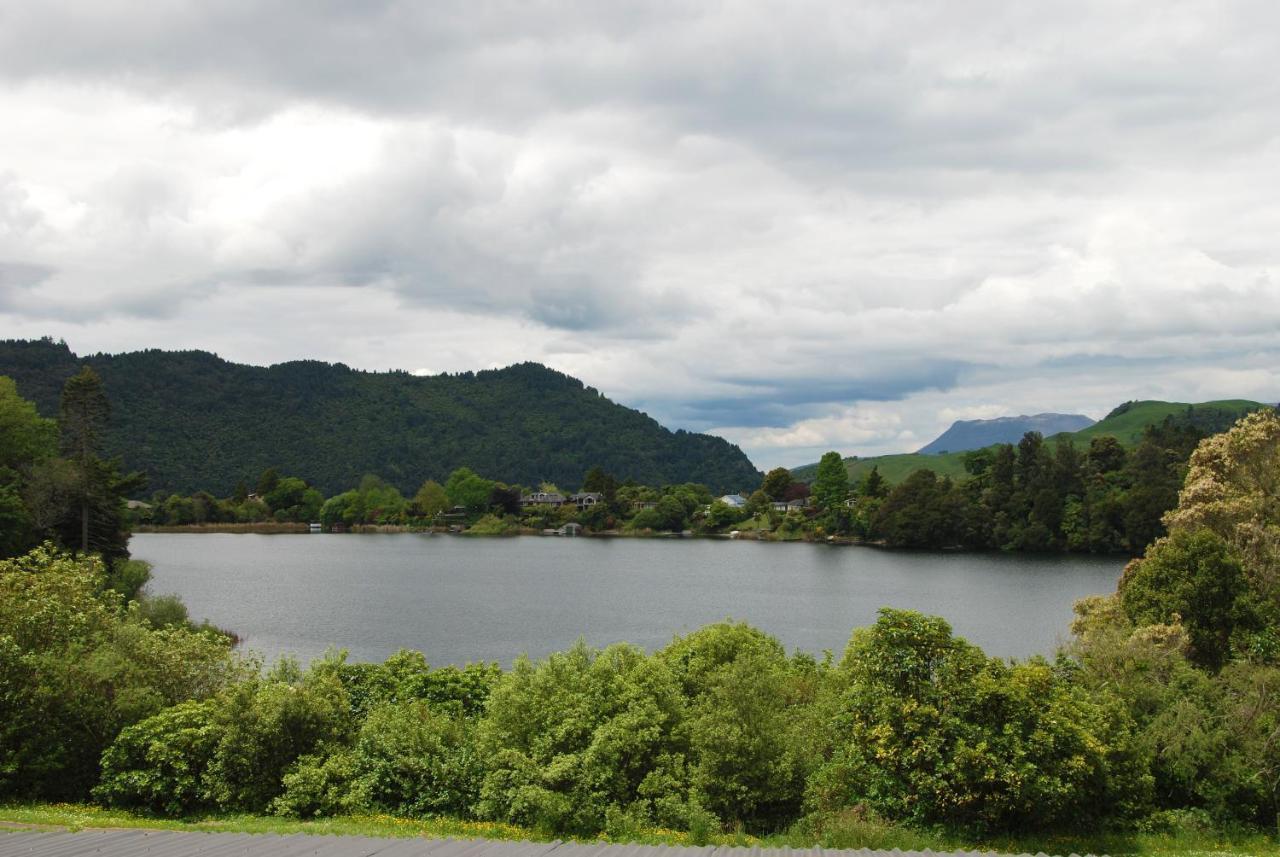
<point x="975" y="434"/>
<point x="193" y="421"/>
<point x="1125" y="423"/>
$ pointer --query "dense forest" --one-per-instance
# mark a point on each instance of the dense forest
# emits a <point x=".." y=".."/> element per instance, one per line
<point x="194" y="422"/>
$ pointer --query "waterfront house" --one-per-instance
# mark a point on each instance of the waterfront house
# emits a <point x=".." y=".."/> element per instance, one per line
<point x="586" y="499"/>
<point x="734" y="501"/>
<point x="542" y="498"/>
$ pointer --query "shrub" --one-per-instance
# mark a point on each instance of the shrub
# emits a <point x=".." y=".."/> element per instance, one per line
<point x="158" y="765"/>
<point x="77" y="669"/>
<point x="410" y="760"/>
<point x="320" y="784"/>
<point x="735" y="679"/>
<point x="934" y="732"/>
<point x="266" y="725"/>
<point x="580" y="733"/>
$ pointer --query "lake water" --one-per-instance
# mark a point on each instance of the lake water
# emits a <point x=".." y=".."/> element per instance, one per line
<point x="461" y="599"/>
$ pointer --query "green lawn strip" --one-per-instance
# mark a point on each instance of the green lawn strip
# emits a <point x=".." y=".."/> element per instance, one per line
<point x="871" y="835"/>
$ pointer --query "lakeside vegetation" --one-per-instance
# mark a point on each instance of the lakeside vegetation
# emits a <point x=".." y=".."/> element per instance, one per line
<point x="1162" y="714"/>
<point x="1034" y="496"/>
<point x="1161" y="718"/>
<point x="1038" y="495"/>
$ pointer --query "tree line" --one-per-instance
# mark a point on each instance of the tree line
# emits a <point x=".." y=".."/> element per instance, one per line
<point x="1035" y="495"/>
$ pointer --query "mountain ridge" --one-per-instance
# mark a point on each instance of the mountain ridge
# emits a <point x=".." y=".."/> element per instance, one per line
<point x="193" y="421"/>
<point x="965" y="435"/>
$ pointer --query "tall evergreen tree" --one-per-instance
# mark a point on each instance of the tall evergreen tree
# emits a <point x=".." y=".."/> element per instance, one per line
<point x="98" y="490"/>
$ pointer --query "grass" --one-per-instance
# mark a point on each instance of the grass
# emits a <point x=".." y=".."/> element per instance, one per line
<point x="850" y="832"/>
<point x="1128" y="426"/>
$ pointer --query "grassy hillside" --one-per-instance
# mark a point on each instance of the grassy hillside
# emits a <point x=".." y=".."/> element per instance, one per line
<point x="894" y="468"/>
<point x="193" y="421"/>
<point x="1125" y="423"/>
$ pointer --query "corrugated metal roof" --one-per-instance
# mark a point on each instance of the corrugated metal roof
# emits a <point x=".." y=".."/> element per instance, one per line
<point x="172" y="843"/>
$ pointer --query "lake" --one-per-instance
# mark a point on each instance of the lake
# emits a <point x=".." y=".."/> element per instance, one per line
<point x="461" y="599"/>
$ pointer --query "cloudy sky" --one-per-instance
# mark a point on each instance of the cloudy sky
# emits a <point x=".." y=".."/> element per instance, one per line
<point x="803" y="226"/>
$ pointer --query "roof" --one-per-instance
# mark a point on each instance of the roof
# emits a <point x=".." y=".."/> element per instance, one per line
<point x="174" y="843"/>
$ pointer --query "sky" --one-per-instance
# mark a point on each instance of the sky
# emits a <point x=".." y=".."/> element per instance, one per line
<point x="800" y="225"/>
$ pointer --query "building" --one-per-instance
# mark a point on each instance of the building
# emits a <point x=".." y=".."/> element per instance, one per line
<point x="587" y="499"/>
<point x="734" y="501"/>
<point x="542" y="498"/>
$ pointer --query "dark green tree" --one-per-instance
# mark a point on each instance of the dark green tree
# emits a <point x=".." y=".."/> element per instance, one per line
<point x="776" y="482"/>
<point x="97" y="520"/>
<point x="831" y="485"/>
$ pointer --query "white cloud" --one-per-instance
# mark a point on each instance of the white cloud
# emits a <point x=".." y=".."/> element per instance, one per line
<point x="806" y="226"/>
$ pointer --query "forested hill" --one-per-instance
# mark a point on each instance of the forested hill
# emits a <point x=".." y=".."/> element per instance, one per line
<point x="193" y="421"/>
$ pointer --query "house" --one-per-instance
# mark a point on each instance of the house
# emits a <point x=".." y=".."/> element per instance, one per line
<point x="542" y="498"/>
<point x="570" y="529"/>
<point x="641" y="505"/>
<point x="587" y="499"/>
<point x="135" y="505"/>
<point x="790" y="505"/>
<point x="734" y="501"/>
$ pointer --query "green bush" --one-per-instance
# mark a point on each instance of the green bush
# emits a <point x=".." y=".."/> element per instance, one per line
<point x="1198" y="579"/>
<point x="266" y="725"/>
<point x="934" y="732"/>
<point x="410" y="760"/>
<point x="736" y="681"/>
<point x="158" y="765"/>
<point x="320" y="784"/>
<point x="580" y="734"/>
<point x="77" y="668"/>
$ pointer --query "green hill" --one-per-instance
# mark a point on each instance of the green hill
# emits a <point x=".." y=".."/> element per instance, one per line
<point x="193" y="421"/>
<point x="1126" y="424"/>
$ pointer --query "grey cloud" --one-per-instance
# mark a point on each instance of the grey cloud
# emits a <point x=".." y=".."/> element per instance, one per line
<point x="783" y="402"/>
<point x="845" y="203"/>
<point x="16" y="281"/>
<point x="860" y="87"/>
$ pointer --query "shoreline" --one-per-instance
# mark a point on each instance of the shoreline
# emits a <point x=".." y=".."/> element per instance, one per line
<point x="277" y="528"/>
<point x="274" y="528"/>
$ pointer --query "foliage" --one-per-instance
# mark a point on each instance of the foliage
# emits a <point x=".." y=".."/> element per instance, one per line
<point x="193" y="421"/>
<point x="776" y="482"/>
<point x="932" y="731"/>
<point x="831" y="484"/>
<point x="742" y="708"/>
<point x="76" y="668"/>
<point x="583" y="733"/>
<point x="1233" y="489"/>
<point x="265" y="725"/>
<point x="431" y="499"/>
<point x="373" y="502"/>
<point x="1197" y="579"/>
<point x="413" y="760"/>
<point x="158" y="765"/>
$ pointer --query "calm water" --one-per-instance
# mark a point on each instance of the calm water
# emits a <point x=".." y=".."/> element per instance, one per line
<point x="462" y="599"/>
